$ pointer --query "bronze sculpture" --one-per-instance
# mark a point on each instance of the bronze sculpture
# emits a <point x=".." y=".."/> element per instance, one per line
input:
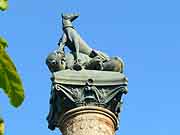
<point x="83" y="77"/>
<point x="80" y="49"/>
<point x="75" y="43"/>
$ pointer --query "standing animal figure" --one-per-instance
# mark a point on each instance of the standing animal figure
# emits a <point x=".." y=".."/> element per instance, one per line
<point x="74" y="42"/>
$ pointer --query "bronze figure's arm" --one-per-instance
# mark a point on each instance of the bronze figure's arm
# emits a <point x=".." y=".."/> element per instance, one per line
<point x="62" y="43"/>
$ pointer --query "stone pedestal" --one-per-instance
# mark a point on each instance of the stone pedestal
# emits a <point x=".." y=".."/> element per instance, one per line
<point x="88" y="120"/>
<point x="86" y="102"/>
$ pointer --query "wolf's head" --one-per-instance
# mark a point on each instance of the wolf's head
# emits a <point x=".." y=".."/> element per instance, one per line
<point x="67" y="20"/>
<point x="70" y="17"/>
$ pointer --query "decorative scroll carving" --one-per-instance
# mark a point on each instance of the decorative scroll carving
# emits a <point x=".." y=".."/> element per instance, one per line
<point x="65" y="97"/>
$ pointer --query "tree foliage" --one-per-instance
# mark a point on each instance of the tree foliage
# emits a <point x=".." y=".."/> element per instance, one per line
<point x="3" y="4"/>
<point x="10" y="81"/>
<point x="1" y="126"/>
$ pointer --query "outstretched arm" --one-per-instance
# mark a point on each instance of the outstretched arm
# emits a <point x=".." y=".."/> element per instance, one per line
<point x="62" y="43"/>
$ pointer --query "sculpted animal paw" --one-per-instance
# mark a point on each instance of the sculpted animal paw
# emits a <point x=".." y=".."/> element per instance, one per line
<point x="61" y="53"/>
<point x="77" y="67"/>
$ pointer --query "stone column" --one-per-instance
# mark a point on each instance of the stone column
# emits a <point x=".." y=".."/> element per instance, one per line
<point x="88" y="120"/>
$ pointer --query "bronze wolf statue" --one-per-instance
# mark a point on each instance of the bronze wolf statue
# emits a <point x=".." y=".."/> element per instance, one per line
<point x="74" y="42"/>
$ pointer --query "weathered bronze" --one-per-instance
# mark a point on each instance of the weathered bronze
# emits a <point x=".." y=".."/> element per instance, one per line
<point x="74" y="42"/>
<point x="82" y="78"/>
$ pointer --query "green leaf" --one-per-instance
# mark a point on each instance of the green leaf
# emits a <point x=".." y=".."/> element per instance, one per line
<point x="10" y="80"/>
<point x="3" y="4"/>
<point x="1" y="126"/>
<point x="3" y="43"/>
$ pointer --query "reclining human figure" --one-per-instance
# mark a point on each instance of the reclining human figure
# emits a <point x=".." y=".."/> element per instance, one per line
<point x="75" y="43"/>
<point x="58" y="61"/>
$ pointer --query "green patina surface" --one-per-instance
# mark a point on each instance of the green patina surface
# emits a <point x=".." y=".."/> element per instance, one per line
<point x="99" y="78"/>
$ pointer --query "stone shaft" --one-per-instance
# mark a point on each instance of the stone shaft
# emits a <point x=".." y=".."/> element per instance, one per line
<point x="88" y="120"/>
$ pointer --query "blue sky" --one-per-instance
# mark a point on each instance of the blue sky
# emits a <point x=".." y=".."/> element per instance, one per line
<point x="146" y="34"/>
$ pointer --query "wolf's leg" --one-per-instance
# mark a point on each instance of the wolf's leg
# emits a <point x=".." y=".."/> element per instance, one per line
<point x="77" y="65"/>
<point x="76" y="45"/>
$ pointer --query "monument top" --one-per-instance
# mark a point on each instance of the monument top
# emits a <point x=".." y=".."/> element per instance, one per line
<point x="83" y="77"/>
